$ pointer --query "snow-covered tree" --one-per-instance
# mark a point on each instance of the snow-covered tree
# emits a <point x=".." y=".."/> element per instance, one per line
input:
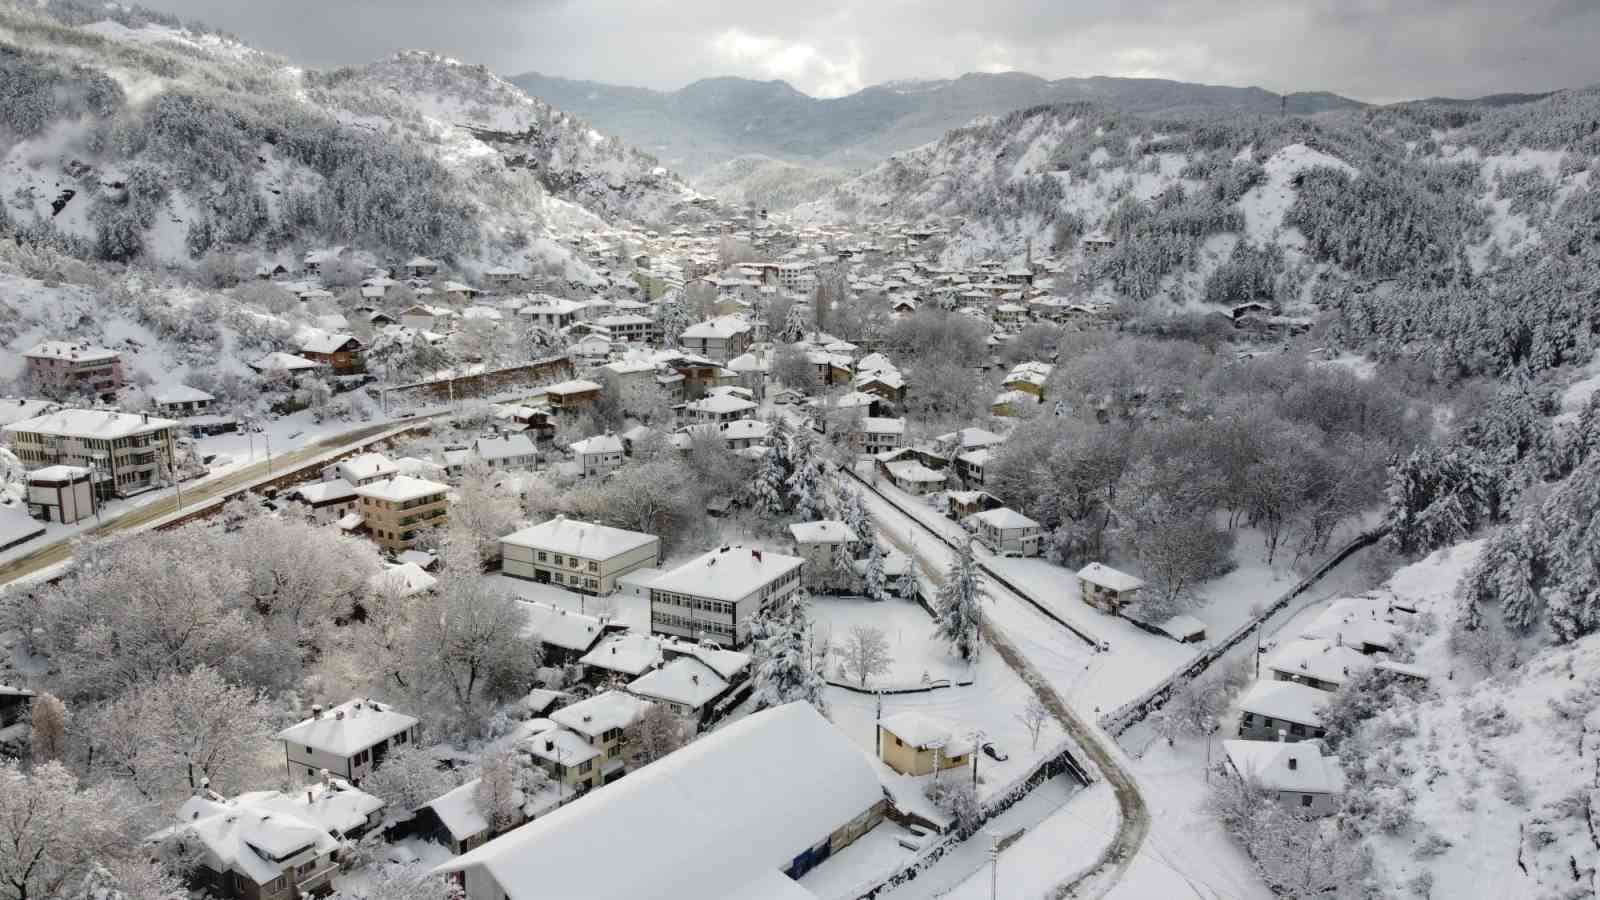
<point x="406" y="779"/>
<point x="958" y="606"/>
<point x="169" y="736"/>
<point x="500" y="795"/>
<point x="54" y="831"/>
<point x="844" y="576"/>
<point x="768" y="489"/>
<point x="672" y="317"/>
<point x="783" y="669"/>
<point x="392" y="881"/>
<point x="795" y="325"/>
<point x="957" y="798"/>
<point x="907" y="587"/>
<point x="128" y="879"/>
<point x="873" y="583"/>
<point x="853" y="510"/>
<point x="484" y="509"/>
<point x="805" y="481"/>
<point x="1034" y="717"/>
<point x="865" y="653"/>
<point x="48" y="720"/>
<point x="655" y="732"/>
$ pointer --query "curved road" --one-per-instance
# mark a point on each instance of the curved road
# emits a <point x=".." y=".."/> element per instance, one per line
<point x="1133" y="824"/>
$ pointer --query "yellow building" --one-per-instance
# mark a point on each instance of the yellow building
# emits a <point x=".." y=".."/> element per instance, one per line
<point x="397" y="509"/>
<point x="914" y="744"/>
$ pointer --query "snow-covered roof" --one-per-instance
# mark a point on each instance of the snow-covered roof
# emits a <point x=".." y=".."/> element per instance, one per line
<point x="1356" y="621"/>
<point x="685" y="681"/>
<point x="504" y="447"/>
<point x="924" y="732"/>
<point x="558" y="745"/>
<point x="400" y="488"/>
<point x="970" y="439"/>
<point x="329" y="491"/>
<point x="182" y="393"/>
<point x="882" y="425"/>
<point x="70" y="350"/>
<point x="561" y="628"/>
<point x="286" y="361"/>
<point x="58" y="473"/>
<point x="600" y="443"/>
<point x="348" y="728"/>
<point x="1183" y="627"/>
<point x="577" y="538"/>
<point x="363" y="466"/>
<point x="1012" y="398"/>
<point x="1004" y="519"/>
<point x="1111" y="579"/>
<point x="720" y="404"/>
<point x="248" y="834"/>
<point x="600" y="713"/>
<point x="14" y="410"/>
<point x="1319" y="658"/>
<point x="1299" y="767"/>
<point x="576" y="386"/>
<point x="101" y="424"/>
<point x="403" y="580"/>
<point x="1288" y="700"/>
<point x="825" y="531"/>
<point x="911" y="470"/>
<point x="727" y="573"/>
<point x="750" y="362"/>
<point x="318" y="341"/>
<point x="544" y="304"/>
<point x="721" y="327"/>
<point x="769" y="785"/>
<point x="631" y="653"/>
<point x="458" y="811"/>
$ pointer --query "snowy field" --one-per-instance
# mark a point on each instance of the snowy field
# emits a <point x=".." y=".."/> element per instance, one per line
<point x="918" y="656"/>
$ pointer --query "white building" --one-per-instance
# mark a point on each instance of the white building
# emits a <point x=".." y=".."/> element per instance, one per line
<point x="348" y="740"/>
<point x="597" y="455"/>
<point x="733" y="816"/>
<point x="581" y="556"/>
<point x="1282" y="710"/>
<point x="716" y="595"/>
<point x="687" y="685"/>
<point x="1298" y="775"/>
<point x="511" y="452"/>
<point x="1006" y="532"/>
<point x="61" y="494"/>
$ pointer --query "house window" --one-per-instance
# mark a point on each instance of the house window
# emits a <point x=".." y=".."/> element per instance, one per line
<point x="585" y="766"/>
<point x="541" y="556"/>
<point x="594" y="567"/>
<point x="1305" y="799"/>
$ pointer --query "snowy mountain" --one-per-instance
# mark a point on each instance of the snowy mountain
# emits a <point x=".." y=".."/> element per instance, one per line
<point x="129" y="137"/>
<point x="1224" y="208"/>
<point x="717" y="119"/>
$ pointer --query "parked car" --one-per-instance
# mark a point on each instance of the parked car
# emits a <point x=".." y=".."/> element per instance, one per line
<point x="994" y="753"/>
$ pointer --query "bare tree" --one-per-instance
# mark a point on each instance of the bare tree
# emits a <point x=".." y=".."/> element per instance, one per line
<point x="1034" y="716"/>
<point x="499" y="795"/>
<point x="56" y="831"/>
<point x="866" y="653"/>
<point x="48" y="723"/>
<point x="657" y="731"/>
<point x="406" y="779"/>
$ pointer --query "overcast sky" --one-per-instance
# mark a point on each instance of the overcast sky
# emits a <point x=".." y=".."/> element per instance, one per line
<point x="1376" y="50"/>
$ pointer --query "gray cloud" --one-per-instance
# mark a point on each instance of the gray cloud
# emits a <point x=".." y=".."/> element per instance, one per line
<point x="1371" y="49"/>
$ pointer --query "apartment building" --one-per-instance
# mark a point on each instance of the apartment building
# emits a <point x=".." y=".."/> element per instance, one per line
<point x="73" y="367"/>
<point x="396" y="509"/>
<point x="581" y="556"/>
<point x="716" y="595"/>
<point x="719" y="339"/>
<point x="127" y="453"/>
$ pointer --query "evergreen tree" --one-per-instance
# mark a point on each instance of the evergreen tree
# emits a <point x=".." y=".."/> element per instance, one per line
<point x="844" y="572"/>
<point x="907" y="587"/>
<point x="853" y="510"/>
<point x="794" y="325"/>
<point x="804" y="482"/>
<point x="872" y="581"/>
<point x="783" y="669"/>
<point x="957" y="606"/>
<point x="767" y="490"/>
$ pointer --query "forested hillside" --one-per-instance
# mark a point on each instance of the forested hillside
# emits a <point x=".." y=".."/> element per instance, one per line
<point x="127" y="136"/>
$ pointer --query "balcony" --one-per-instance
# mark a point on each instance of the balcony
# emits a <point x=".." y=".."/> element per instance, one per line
<point x="317" y="880"/>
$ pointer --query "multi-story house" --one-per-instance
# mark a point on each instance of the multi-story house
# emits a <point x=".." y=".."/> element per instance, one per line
<point x="74" y="368"/>
<point x="819" y="543"/>
<point x="597" y="455"/>
<point x="716" y="595"/>
<point x="602" y="722"/>
<point x="582" y="556"/>
<point x="349" y="740"/>
<point x="511" y="452"/>
<point x="127" y="453"/>
<point x="329" y="501"/>
<point x="571" y="396"/>
<point x="341" y="353"/>
<point x="1006" y="532"/>
<point x="725" y="407"/>
<point x="183" y="401"/>
<point x="362" y="469"/>
<point x="554" y="313"/>
<point x="719" y="339"/>
<point x="396" y="509"/>
<point x="630" y="327"/>
<point x="873" y="435"/>
<point x="1298" y="776"/>
<point x="567" y="757"/>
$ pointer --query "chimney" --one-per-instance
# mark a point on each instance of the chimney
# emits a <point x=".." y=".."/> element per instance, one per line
<point x="309" y="798"/>
<point x="549" y="746"/>
<point x="694" y="678"/>
<point x="1293" y="764"/>
<point x="339" y="715"/>
<point x="316" y="711"/>
<point x="1283" y="736"/>
<point x="588" y="718"/>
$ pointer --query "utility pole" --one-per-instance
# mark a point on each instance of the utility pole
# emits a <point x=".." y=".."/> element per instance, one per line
<point x="994" y="866"/>
<point x="267" y="436"/>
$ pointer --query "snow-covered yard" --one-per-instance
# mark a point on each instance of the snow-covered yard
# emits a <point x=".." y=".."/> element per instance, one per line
<point x="917" y="655"/>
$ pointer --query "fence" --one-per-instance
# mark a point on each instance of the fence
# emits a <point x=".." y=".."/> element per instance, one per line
<point x="1060" y="763"/>
<point x="1120" y="719"/>
<point x="479" y="385"/>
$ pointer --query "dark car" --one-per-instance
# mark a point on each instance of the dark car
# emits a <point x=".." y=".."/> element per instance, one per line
<point x="993" y="752"/>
